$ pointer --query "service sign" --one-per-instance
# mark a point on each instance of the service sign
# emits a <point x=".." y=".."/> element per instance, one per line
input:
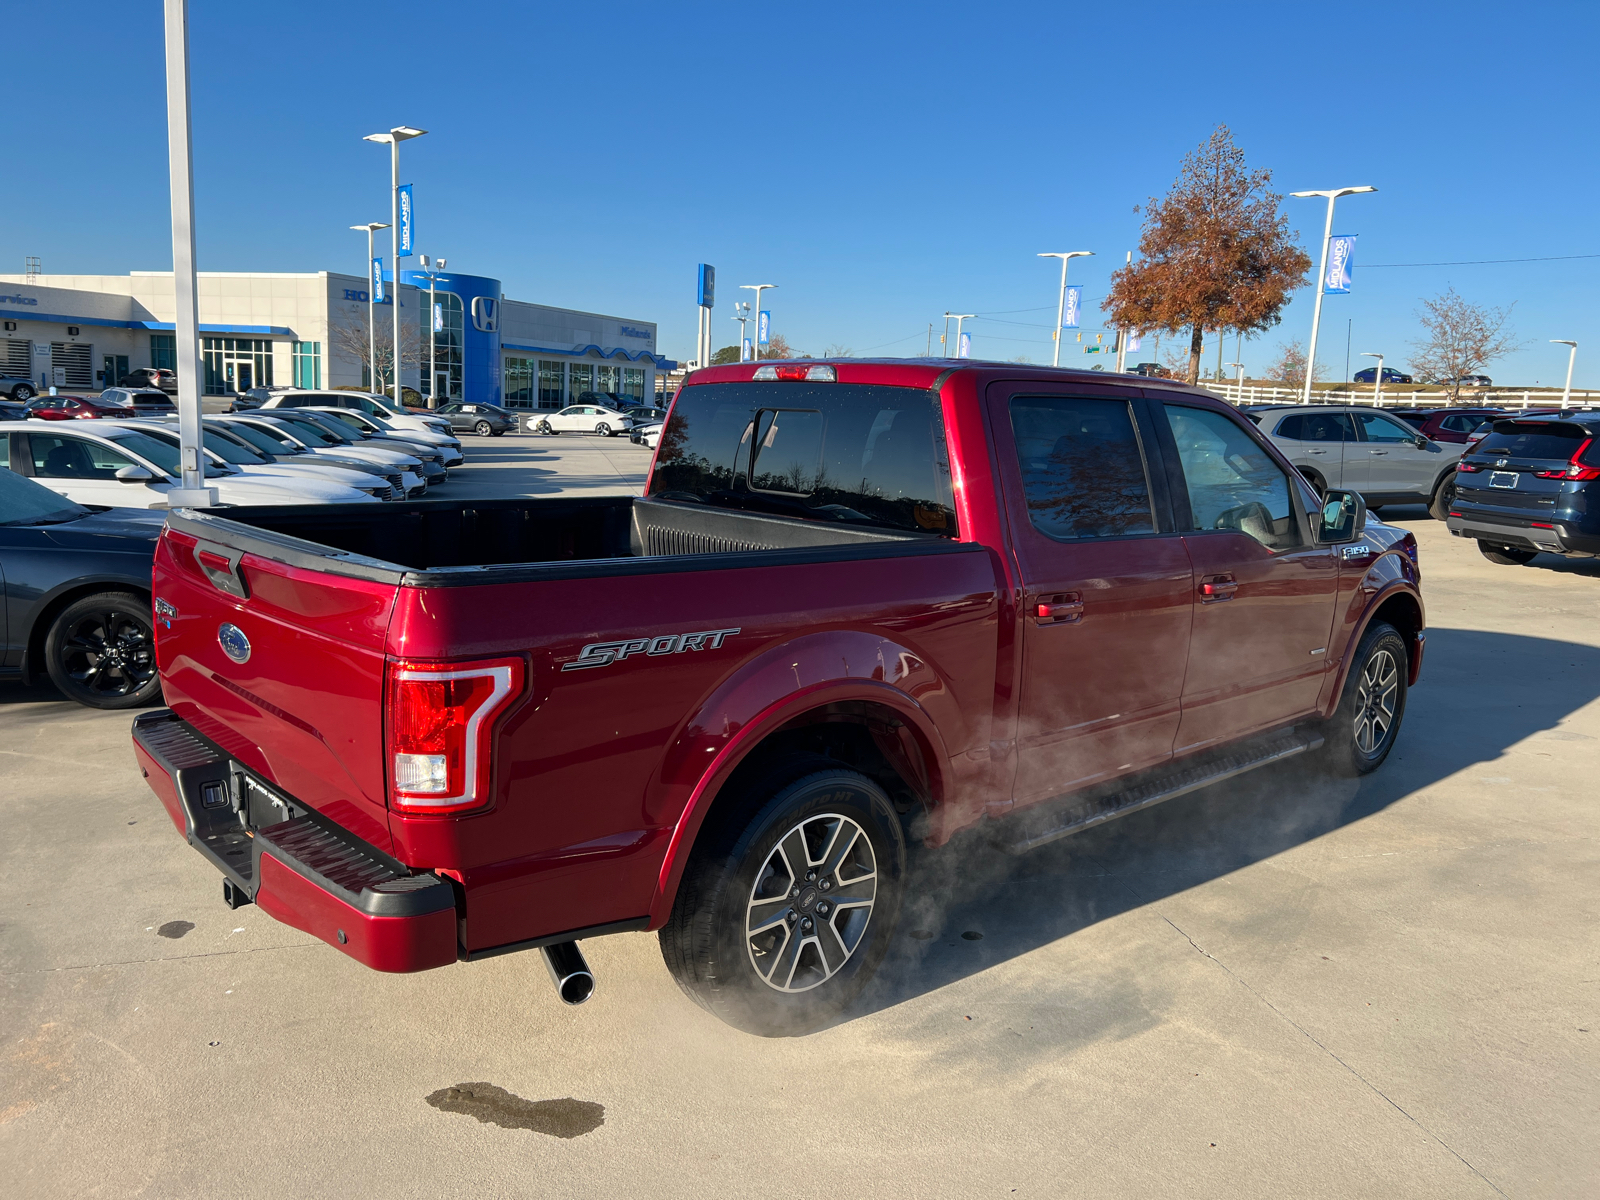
<point x="1069" y="311"/>
<point x="1341" y="262"/>
<point x="406" y="222"/>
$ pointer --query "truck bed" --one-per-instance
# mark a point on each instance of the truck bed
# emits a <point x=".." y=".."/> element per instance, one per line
<point x="432" y="543"/>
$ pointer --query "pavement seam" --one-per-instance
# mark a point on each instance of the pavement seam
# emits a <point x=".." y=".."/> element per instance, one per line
<point x="1309" y="1036"/>
<point x="134" y="962"/>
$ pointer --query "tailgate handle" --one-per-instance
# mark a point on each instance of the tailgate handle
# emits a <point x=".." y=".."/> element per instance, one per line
<point x="220" y="565"/>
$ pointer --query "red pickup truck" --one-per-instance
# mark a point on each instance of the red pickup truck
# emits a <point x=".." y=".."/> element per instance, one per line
<point x="861" y="603"/>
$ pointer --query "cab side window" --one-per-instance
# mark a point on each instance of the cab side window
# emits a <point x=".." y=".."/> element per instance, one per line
<point x="72" y="458"/>
<point x="1083" y="471"/>
<point x="1232" y="483"/>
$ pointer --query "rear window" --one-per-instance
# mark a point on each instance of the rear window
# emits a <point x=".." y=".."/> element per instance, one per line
<point x="1533" y="440"/>
<point x="861" y="454"/>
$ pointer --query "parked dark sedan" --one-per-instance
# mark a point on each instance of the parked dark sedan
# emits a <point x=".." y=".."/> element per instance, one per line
<point x="1531" y="485"/>
<point x="1390" y="375"/>
<point x="75" y="583"/>
<point x="485" y="420"/>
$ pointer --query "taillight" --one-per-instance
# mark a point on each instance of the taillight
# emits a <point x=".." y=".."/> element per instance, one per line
<point x="438" y="722"/>
<point x="1467" y="467"/>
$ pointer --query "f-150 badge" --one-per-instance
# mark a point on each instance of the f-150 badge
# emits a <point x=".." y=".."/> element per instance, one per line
<point x="603" y="654"/>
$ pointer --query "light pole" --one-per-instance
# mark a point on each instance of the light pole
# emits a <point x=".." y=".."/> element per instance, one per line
<point x="1061" y="304"/>
<point x="741" y="314"/>
<point x="1572" y="357"/>
<point x="400" y="133"/>
<point x="372" y="330"/>
<point x="960" y="317"/>
<point x="186" y="295"/>
<point x="757" y="288"/>
<point x="1240" y="384"/>
<point x="1322" y="271"/>
<point x="1377" y="392"/>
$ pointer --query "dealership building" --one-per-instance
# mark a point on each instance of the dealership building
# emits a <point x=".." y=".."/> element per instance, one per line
<point x="83" y="332"/>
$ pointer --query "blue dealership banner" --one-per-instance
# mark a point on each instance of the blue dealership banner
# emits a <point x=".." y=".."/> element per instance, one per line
<point x="1341" y="263"/>
<point x="377" y="280"/>
<point x="746" y="351"/>
<point x="707" y="287"/>
<point x="763" y="327"/>
<point x="964" y="345"/>
<point x="406" y="223"/>
<point x="1069" y="311"/>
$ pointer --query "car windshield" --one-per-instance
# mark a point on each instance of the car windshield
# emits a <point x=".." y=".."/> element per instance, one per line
<point x="228" y="450"/>
<point x="329" y="431"/>
<point x="262" y="440"/>
<point x="156" y="449"/>
<point x="24" y="502"/>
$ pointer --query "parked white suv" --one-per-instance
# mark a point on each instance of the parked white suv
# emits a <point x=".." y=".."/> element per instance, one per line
<point x="377" y="406"/>
<point x="121" y="466"/>
<point x="1363" y="449"/>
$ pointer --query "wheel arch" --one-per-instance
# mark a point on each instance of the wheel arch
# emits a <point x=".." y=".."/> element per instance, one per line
<point x="53" y="602"/>
<point x="1401" y="607"/>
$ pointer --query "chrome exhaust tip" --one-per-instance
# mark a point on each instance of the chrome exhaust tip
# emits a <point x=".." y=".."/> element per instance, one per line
<point x="569" y="972"/>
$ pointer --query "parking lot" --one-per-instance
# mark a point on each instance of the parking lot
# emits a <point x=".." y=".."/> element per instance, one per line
<point x="1283" y="986"/>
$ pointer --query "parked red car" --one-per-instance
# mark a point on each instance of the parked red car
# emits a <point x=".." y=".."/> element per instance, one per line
<point x="861" y="602"/>
<point x="71" y="408"/>
<point x="1449" y="424"/>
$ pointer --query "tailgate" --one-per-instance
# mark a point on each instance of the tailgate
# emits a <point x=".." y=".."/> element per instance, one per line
<point x="282" y="666"/>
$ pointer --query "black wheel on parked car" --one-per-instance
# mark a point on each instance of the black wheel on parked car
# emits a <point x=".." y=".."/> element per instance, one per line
<point x="1363" y="728"/>
<point x="1507" y="556"/>
<point x="603" y="429"/>
<point x="22" y="393"/>
<point x="101" y="651"/>
<point x="1444" y="495"/>
<point x="483" y="429"/>
<point x="544" y="427"/>
<point x="788" y="906"/>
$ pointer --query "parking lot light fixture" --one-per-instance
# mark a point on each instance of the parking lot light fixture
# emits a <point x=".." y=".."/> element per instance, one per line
<point x="1240" y="382"/>
<point x="1572" y="357"/>
<point x="1322" y="273"/>
<point x="1061" y="304"/>
<point x="757" y="288"/>
<point x="741" y="314"/>
<point x="372" y="330"/>
<point x="400" y="133"/>
<point x="1377" y="392"/>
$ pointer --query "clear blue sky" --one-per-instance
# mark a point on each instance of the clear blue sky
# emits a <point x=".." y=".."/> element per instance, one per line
<point x="881" y="162"/>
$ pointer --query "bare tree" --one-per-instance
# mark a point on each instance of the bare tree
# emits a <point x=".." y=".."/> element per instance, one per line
<point x="1289" y="368"/>
<point x="777" y="347"/>
<point x="1215" y="253"/>
<point x="350" y="339"/>
<point x="835" y="350"/>
<point x="1460" y="338"/>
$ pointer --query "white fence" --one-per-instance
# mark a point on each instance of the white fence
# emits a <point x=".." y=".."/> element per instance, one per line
<point x="1251" y="393"/>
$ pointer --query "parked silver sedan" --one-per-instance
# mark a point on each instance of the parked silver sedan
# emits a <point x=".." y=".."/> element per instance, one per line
<point x="1364" y="449"/>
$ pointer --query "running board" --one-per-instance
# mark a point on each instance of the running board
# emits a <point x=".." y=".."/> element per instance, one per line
<point x="1078" y="814"/>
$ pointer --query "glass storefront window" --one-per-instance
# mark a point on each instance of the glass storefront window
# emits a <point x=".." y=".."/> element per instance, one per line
<point x="581" y="381"/>
<point x="308" y="364"/>
<point x="519" y="382"/>
<point x="164" y="350"/>
<point x="446" y="323"/>
<point x="607" y="379"/>
<point x="633" y="383"/>
<point x="550" y="380"/>
<point x="236" y="364"/>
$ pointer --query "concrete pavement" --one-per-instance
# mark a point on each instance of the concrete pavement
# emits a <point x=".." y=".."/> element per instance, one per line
<point x="1278" y="987"/>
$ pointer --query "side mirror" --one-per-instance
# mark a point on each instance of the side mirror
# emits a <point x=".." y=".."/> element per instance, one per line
<point x="1421" y="442"/>
<point x="1344" y="517"/>
<point x="134" y="474"/>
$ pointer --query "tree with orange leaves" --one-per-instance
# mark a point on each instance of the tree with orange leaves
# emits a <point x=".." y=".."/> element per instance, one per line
<point x="1214" y="254"/>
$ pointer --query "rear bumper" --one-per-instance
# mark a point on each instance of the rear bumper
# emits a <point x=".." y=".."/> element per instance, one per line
<point x="299" y="867"/>
<point x="1554" y="536"/>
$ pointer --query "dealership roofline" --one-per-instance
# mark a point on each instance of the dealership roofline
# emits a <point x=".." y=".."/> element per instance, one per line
<point x="660" y="360"/>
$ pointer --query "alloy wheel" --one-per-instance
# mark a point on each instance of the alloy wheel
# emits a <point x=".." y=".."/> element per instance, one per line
<point x="109" y="654"/>
<point x="1375" y="702"/>
<point x="811" y="903"/>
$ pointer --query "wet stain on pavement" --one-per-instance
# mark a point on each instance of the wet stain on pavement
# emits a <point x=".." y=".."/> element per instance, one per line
<point x="567" y="1118"/>
<point x="175" y="929"/>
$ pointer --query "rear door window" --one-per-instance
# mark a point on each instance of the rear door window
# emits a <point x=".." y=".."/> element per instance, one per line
<point x="1083" y="470"/>
<point x="855" y="453"/>
<point x="1317" y="427"/>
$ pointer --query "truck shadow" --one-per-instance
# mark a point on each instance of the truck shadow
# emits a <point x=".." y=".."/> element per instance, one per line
<point x="1019" y="904"/>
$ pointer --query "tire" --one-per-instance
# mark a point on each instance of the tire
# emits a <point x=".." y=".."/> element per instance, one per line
<point x="101" y="652"/>
<point x="1507" y="556"/>
<point x="1364" y="727"/>
<point x="544" y="428"/>
<point x="499" y="433"/>
<point x="603" y="429"/>
<point x="22" y="393"/>
<point x="483" y="429"/>
<point x="740" y="877"/>
<point x="1318" y="484"/>
<point x="1444" y="495"/>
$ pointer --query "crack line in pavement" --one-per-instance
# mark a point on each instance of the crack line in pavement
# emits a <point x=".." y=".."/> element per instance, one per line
<point x="1312" y="1038"/>
<point x="134" y="962"/>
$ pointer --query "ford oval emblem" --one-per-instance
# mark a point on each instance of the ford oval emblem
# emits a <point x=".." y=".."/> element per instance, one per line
<point x="233" y="642"/>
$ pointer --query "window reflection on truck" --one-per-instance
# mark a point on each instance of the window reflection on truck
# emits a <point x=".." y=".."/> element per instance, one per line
<point x="603" y="654"/>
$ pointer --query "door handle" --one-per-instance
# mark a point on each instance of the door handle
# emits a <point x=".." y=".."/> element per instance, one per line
<point x="1217" y="587"/>
<point x="1063" y="608"/>
<point x="1377" y="452"/>
<point x="1316" y="451"/>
